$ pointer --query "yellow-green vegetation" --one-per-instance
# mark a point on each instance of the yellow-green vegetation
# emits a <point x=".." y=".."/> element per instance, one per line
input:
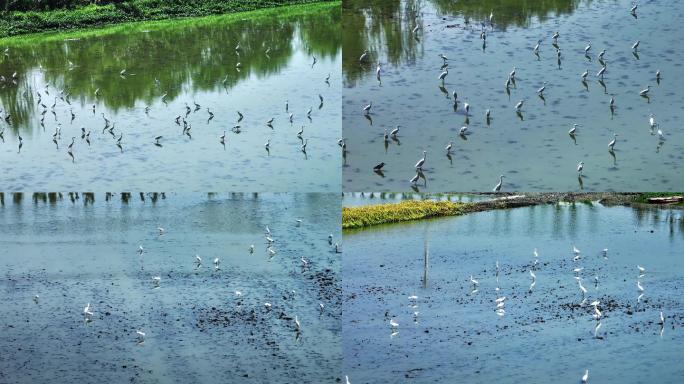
<point x="67" y="15"/>
<point x="363" y="216"/>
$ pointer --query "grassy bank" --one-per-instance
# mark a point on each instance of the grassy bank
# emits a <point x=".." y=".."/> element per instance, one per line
<point x="19" y="23"/>
<point x="368" y="215"/>
<point x="364" y="216"/>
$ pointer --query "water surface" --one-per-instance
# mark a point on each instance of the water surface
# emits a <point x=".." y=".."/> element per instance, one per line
<point x="533" y="150"/>
<point x="545" y="333"/>
<point x="197" y="329"/>
<point x="190" y="61"/>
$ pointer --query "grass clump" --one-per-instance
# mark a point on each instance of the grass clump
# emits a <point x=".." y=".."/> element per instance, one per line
<point x="364" y="216"/>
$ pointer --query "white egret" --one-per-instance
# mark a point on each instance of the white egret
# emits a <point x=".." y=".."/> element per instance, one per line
<point x="573" y="130"/>
<point x="444" y="74"/>
<point x="581" y="287"/>
<point x="540" y="91"/>
<point x="519" y="106"/>
<point x="585" y="377"/>
<point x="612" y="142"/>
<point x="141" y="336"/>
<point x="497" y="187"/>
<point x="645" y="91"/>
<point x="640" y="288"/>
<point x="419" y="164"/>
<point x="580" y="167"/>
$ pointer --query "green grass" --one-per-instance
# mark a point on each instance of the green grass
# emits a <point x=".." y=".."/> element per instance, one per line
<point x="364" y="216"/>
<point x="643" y="197"/>
<point x="20" y="23"/>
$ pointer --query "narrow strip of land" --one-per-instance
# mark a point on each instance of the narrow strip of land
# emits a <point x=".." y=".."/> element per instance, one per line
<point x="369" y="215"/>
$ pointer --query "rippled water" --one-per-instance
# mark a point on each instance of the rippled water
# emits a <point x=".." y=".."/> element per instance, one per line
<point x="543" y="334"/>
<point x="190" y="61"/>
<point x="196" y="329"/>
<point x="534" y="152"/>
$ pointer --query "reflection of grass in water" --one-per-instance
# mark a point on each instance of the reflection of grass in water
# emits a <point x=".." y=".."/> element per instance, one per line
<point x="155" y="25"/>
<point x="18" y="23"/>
<point x="358" y="217"/>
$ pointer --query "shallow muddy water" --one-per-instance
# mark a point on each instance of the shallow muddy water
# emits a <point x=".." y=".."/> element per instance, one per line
<point x="543" y="334"/>
<point x="197" y="328"/>
<point x="534" y="150"/>
<point x="190" y="61"/>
